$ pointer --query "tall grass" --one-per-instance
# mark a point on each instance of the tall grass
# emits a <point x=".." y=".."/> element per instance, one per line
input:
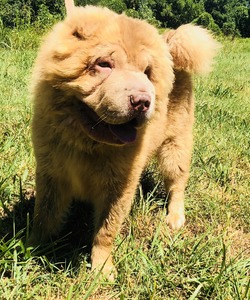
<point x="208" y="259"/>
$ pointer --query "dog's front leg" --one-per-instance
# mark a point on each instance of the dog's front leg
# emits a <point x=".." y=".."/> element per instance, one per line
<point x="109" y="216"/>
<point x="51" y="205"/>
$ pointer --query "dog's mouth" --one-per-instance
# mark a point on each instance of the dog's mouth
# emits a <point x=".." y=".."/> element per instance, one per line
<point x="101" y="131"/>
<point x="125" y="133"/>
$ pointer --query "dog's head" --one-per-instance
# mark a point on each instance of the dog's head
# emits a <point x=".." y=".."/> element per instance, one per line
<point x="109" y="74"/>
<point x="109" y="70"/>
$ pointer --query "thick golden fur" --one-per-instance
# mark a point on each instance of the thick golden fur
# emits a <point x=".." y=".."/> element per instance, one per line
<point x="95" y="72"/>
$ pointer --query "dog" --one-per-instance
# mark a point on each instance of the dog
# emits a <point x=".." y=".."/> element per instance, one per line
<point x="109" y="93"/>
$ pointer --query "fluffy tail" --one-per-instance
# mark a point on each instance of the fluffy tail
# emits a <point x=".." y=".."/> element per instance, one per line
<point x="192" y="48"/>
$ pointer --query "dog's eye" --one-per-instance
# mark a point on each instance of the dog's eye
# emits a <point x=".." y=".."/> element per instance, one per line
<point x="104" y="64"/>
<point x="148" y="72"/>
<point x="77" y="35"/>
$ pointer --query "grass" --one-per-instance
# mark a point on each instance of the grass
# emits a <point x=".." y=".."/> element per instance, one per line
<point x="208" y="259"/>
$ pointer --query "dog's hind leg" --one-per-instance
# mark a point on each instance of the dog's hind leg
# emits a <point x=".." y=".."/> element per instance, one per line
<point x="174" y="155"/>
<point x="174" y="160"/>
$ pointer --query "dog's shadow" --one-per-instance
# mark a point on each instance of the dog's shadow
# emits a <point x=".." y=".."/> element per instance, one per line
<point x="75" y="238"/>
<point x="67" y="248"/>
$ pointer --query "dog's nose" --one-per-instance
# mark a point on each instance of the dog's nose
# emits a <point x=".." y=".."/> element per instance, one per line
<point x="140" y="102"/>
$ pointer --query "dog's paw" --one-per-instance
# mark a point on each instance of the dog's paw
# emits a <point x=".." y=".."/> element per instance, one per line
<point x="175" y="220"/>
<point x="109" y="272"/>
<point x="106" y="271"/>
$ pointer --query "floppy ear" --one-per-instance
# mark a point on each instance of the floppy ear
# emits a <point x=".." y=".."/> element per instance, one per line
<point x="192" y="48"/>
<point x="69" y="4"/>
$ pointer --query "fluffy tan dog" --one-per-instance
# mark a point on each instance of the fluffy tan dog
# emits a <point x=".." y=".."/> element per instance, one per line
<point x="109" y="93"/>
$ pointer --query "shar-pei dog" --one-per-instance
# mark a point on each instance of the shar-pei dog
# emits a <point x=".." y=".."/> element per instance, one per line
<point x="109" y="93"/>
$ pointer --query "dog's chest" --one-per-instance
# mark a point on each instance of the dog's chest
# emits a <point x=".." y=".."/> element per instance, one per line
<point x="86" y="175"/>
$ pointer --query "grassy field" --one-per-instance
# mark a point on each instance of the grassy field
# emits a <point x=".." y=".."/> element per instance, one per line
<point x="208" y="259"/>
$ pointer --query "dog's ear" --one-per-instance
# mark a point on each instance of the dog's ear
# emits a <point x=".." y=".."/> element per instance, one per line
<point x="192" y="48"/>
<point x="69" y="5"/>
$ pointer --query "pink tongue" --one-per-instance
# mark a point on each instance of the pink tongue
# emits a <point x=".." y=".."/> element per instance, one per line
<point x="126" y="133"/>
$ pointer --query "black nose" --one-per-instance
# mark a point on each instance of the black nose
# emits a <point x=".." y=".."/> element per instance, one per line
<point x="140" y="102"/>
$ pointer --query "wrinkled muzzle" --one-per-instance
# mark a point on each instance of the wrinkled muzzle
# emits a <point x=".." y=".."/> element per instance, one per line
<point x="122" y="104"/>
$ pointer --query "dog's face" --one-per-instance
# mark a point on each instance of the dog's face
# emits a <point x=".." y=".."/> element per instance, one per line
<point x="113" y="71"/>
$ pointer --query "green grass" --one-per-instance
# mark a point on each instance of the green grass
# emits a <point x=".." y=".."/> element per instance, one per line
<point x="208" y="259"/>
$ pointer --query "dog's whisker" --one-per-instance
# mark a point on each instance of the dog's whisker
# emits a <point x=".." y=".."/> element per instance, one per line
<point x="102" y="118"/>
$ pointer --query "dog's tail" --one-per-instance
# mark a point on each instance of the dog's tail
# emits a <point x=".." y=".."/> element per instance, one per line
<point x="192" y="48"/>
